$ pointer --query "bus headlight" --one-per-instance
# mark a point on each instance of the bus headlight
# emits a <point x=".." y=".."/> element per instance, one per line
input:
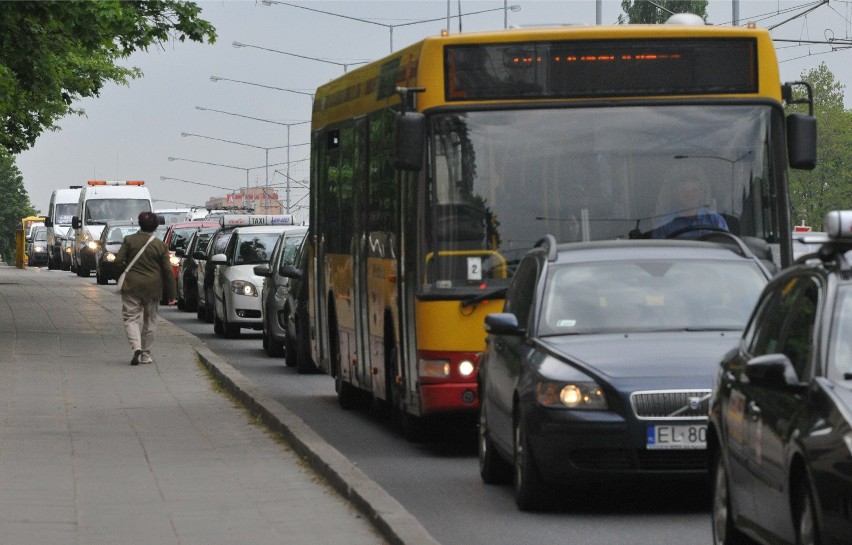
<point x="578" y="395"/>
<point x="241" y="287"/>
<point x="466" y="368"/>
<point x="434" y="368"/>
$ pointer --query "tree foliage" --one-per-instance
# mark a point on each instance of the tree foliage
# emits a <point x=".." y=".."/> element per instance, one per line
<point x="15" y="204"/>
<point x="650" y="13"/>
<point x="55" y="52"/>
<point x="829" y="185"/>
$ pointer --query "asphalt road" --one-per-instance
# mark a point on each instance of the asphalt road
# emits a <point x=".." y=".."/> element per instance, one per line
<point x="438" y="480"/>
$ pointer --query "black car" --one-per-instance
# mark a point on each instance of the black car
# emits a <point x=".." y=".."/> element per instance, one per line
<point x="274" y="293"/>
<point x="780" y="437"/>
<point x="187" y="280"/>
<point x="108" y="245"/>
<point x="294" y="315"/>
<point x="37" y="249"/>
<point x="602" y="362"/>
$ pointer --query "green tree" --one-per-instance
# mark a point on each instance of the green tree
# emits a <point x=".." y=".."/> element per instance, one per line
<point x="829" y="185"/>
<point x="656" y="12"/>
<point x="55" y="52"/>
<point x="14" y="206"/>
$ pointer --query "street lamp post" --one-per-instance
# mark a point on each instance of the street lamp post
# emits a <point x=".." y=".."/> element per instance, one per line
<point x="288" y="145"/>
<point x="345" y="65"/>
<point x="214" y="79"/>
<point x="266" y="154"/>
<point x="391" y="27"/>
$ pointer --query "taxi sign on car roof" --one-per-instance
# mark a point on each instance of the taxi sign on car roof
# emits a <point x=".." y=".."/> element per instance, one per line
<point x="235" y="220"/>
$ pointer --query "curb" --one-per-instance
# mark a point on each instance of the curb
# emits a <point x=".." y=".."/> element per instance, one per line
<point x="385" y="513"/>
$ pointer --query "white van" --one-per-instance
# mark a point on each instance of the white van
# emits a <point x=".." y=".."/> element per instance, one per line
<point x="63" y="206"/>
<point x="100" y="202"/>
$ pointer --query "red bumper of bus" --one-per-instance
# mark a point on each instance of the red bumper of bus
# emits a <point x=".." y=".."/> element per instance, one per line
<point x="448" y="381"/>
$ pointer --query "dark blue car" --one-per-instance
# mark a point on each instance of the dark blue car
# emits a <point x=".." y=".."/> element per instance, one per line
<point x="602" y="363"/>
<point x="780" y="433"/>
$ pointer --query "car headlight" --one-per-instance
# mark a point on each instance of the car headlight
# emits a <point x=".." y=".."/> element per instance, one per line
<point x="174" y="260"/>
<point x="92" y="244"/>
<point x="38" y="248"/>
<point x="110" y="257"/>
<point x="574" y="395"/>
<point x="242" y="287"/>
<point x="68" y="250"/>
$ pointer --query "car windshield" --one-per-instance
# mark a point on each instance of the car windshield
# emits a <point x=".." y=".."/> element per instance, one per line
<point x="649" y="295"/>
<point x="254" y="247"/>
<point x="104" y="210"/>
<point x="180" y="236"/>
<point x="117" y="234"/>
<point x="500" y="180"/>
<point x="840" y="344"/>
<point x="40" y="234"/>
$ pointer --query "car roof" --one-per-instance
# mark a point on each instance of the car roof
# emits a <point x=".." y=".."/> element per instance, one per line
<point x="194" y="223"/>
<point x="264" y="228"/>
<point x="631" y="250"/>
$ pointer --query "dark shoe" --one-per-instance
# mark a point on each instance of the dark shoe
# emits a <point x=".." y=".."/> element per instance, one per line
<point x="136" y="355"/>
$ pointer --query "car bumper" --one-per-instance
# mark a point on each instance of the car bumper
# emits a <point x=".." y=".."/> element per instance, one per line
<point x="569" y="445"/>
<point x="107" y="270"/>
<point x="38" y="258"/>
<point x="244" y="310"/>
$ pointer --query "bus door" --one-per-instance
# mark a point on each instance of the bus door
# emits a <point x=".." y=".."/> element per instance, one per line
<point x="361" y="259"/>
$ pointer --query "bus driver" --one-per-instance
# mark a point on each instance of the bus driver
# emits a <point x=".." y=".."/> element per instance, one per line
<point x="689" y="212"/>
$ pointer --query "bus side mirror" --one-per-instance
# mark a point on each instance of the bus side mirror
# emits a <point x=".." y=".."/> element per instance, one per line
<point x="409" y="141"/>
<point x="801" y="141"/>
<point x="48" y="222"/>
<point x="75" y="222"/>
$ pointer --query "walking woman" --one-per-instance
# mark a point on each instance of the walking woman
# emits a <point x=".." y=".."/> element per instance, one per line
<point x="144" y="268"/>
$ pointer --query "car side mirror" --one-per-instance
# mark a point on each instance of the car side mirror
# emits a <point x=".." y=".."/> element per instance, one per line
<point x="290" y="271"/>
<point x="772" y="371"/>
<point x="504" y="323"/>
<point x="199" y="256"/>
<point x="219" y="259"/>
<point x="262" y="270"/>
<point x="180" y="252"/>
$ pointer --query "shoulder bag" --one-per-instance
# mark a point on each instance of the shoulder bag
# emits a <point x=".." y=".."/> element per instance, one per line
<point x="132" y="261"/>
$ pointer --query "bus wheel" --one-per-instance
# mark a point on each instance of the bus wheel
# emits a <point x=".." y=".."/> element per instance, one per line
<point x="347" y="395"/>
<point x="304" y="361"/>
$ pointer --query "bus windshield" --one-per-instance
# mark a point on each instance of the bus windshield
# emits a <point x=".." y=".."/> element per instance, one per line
<point x="501" y="180"/>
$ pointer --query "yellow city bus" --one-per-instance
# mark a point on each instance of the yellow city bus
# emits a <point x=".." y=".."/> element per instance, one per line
<point x="436" y="168"/>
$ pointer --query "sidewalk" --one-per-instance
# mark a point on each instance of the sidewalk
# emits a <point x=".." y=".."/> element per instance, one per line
<point x="94" y="451"/>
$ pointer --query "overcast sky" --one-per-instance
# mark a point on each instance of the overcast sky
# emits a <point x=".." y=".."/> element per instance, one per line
<point x="130" y="132"/>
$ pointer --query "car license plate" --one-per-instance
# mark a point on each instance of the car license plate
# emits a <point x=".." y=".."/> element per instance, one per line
<point x="692" y="436"/>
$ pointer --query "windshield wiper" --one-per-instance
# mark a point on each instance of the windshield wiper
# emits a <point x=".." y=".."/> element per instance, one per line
<point x="478" y="298"/>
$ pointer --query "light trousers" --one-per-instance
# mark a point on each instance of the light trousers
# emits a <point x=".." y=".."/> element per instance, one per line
<point x="140" y="321"/>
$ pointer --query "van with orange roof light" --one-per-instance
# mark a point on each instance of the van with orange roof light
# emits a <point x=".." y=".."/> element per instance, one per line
<point x="100" y="202"/>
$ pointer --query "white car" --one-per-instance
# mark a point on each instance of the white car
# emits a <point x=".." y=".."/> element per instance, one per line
<point x="236" y="289"/>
